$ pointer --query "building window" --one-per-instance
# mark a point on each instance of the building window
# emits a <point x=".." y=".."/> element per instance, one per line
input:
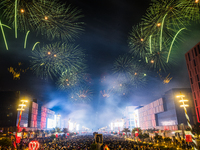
<point x="199" y="84"/>
<point x="195" y="51"/>
<point x="197" y="77"/>
<point x="196" y="103"/>
<point x="189" y="56"/>
<point x="194" y="95"/>
<point x="198" y="48"/>
<point x="191" y="81"/>
<point x="194" y="62"/>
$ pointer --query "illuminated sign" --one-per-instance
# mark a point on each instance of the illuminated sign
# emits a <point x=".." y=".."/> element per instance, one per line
<point x="34" y="145"/>
<point x="168" y="123"/>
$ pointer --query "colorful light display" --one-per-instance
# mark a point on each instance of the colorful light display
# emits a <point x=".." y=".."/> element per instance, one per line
<point x="34" y="145"/>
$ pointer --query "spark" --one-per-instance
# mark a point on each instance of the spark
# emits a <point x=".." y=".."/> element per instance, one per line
<point x="26" y="39"/>
<point x="35" y="45"/>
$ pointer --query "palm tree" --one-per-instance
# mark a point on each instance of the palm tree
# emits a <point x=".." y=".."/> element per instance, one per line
<point x="65" y="130"/>
<point x="126" y="130"/>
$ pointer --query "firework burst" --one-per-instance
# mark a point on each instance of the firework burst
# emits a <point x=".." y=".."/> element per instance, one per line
<point x="138" y="41"/>
<point x="54" y="59"/>
<point x="71" y="78"/>
<point x="191" y="9"/>
<point x="58" y="21"/>
<point x="129" y="72"/>
<point x="49" y="17"/>
<point x="81" y="95"/>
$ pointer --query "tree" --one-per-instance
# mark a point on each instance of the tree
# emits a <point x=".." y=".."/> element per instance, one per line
<point x="126" y="130"/>
<point x="5" y="142"/>
<point x="143" y="136"/>
<point x="136" y="129"/>
<point x="65" y="130"/>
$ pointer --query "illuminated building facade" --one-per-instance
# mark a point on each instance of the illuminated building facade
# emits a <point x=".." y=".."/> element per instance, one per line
<point x="31" y="116"/>
<point x="129" y="117"/>
<point x="166" y="113"/>
<point x="33" y="113"/>
<point x="147" y="114"/>
<point x="193" y="65"/>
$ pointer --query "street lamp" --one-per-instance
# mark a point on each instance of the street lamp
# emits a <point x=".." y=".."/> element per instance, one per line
<point x="184" y="105"/>
<point x="21" y="109"/>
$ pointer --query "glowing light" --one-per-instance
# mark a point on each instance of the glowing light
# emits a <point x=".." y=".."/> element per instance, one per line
<point x="49" y="53"/>
<point x="141" y="40"/>
<point x="46" y="18"/>
<point x="120" y="84"/>
<point x="158" y="24"/>
<point x="145" y="74"/>
<point x="22" y="105"/>
<point x="55" y="55"/>
<point x="135" y="73"/>
<point x="196" y="1"/>
<point x="152" y="61"/>
<point x="22" y="10"/>
<point x="66" y="80"/>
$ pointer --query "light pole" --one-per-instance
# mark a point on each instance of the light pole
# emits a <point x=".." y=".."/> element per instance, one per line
<point x="21" y="109"/>
<point x="184" y="105"/>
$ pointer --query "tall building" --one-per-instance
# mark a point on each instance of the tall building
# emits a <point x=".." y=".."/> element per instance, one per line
<point x="35" y="115"/>
<point x="193" y="65"/>
<point x="166" y="113"/>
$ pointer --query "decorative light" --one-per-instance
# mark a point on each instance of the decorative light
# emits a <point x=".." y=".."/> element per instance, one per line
<point x="55" y="55"/>
<point x="152" y="61"/>
<point x="49" y="53"/>
<point x="141" y="39"/>
<point x="46" y="18"/>
<point x="135" y="73"/>
<point x="196" y="1"/>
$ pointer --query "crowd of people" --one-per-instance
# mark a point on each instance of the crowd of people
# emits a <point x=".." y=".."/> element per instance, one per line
<point x="86" y="142"/>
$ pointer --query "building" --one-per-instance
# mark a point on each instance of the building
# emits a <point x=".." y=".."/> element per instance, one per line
<point x="34" y="116"/>
<point x="166" y="113"/>
<point x="193" y="65"/>
<point x="129" y="117"/>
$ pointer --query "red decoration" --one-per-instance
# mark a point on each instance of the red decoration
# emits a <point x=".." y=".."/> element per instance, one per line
<point x="18" y="139"/>
<point x="34" y="145"/>
<point x="56" y="135"/>
<point x="123" y="133"/>
<point x="188" y="138"/>
<point x="67" y="134"/>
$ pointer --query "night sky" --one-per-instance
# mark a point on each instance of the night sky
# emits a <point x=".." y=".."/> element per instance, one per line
<point x="107" y="26"/>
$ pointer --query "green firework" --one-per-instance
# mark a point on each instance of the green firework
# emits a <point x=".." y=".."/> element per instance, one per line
<point x="71" y="78"/>
<point x="54" y="59"/>
<point x="129" y="72"/>
<point x="138" y="41"/>
<point x="191" y="9"/>
<point x="19" y="13"/>
<point x="55" y="20"/>
<point x="48" y="17"/>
